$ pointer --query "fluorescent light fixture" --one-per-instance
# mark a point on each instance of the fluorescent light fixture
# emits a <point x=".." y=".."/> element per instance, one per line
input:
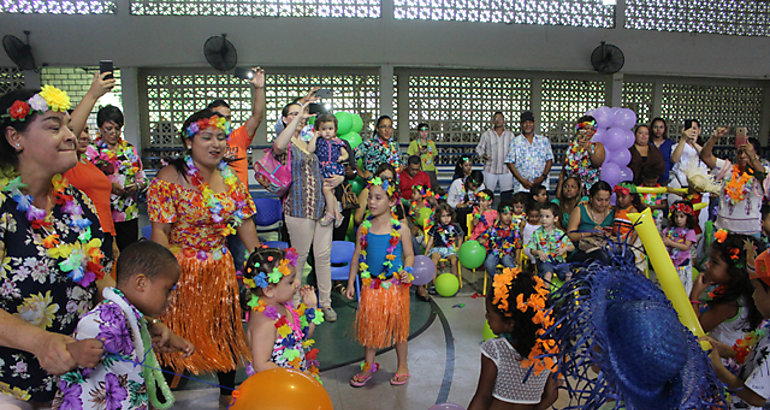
<point x="609" y="2"/>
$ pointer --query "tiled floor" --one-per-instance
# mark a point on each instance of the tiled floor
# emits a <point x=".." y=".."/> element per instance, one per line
<point x="444" y="363"/>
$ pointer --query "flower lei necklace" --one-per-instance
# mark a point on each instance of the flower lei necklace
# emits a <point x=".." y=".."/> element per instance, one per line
<point x="536" y="301"/>
<point x="226" y="227"/>
<point x="740" y="184"/>
<point x="80" y="259"/>
<point x="745" y="345"/>
<point x="103" y="155"/>
<point x="395" y="238"/>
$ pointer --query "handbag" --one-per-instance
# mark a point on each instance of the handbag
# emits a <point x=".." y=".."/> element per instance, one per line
<point x="349" y="198"/>
<point x="272" y="173"/>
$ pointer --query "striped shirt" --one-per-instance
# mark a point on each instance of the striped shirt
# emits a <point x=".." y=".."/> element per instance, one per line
<point x="496" y="148"/>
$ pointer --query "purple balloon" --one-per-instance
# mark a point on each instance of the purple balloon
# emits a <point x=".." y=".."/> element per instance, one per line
<point x="621" y="157"/>
<point x="614" y="140"/>
<point x="626" y="174"/>
<point x="424" y="269"/>
<point x="603" y="117"/>
<point x="446" y="406"/>
<point x="625" y="118"/>
<point x="610" y="173"/>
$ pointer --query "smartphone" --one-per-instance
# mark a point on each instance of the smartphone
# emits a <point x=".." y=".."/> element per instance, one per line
<point x="106" y="66"/>
<point x="244" y="73"/>
<point x="324" y="93"/>
<point x="315" y="108"/>
<point x="688" y="124"/>
<point x="741" y="136"/>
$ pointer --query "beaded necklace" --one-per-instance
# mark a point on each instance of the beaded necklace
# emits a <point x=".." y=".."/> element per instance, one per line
<point x="80" y="259"/>
<point x="226" y="227"/>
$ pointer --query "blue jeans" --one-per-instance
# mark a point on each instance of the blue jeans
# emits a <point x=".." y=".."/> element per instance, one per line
<point x="543" y="267"/>
<point x="490" y="264"/>
<point x="238" y="250"/>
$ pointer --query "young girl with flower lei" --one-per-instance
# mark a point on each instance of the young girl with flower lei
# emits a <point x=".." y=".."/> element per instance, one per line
<point x="483" y="214"/>
<point x="385" y="255"/>
<point x="422" y="198"/>
<point x="278" y="333"/>
<point x="512" y="374"/>
<point x="729" y="310"/>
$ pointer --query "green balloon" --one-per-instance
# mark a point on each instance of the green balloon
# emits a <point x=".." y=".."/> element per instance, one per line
<point x="344" y="122"/>
<point x="424" y="215"/>
<point x="357" y="185"/>
<point x="487" y="333"/>
<point x="472" y="254"/>
<point x="360" y="163"/>
<point x="353" y="138"/>
<point x="447" y="284"/>
<point x="358" y="123"/>
<point x="311" y="121"/>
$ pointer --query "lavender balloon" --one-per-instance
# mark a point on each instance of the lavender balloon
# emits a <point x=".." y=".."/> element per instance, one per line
<point x="424" y="270"/>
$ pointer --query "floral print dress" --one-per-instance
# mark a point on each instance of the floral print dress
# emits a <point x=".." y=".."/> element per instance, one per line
<point x="204" y="308"/>
<point x="123" y="167"/>
<point x="578" y="164"/>
<point x="116" y="383"/>
<point x="374" y="152"/>
<point x="34" y="288"/>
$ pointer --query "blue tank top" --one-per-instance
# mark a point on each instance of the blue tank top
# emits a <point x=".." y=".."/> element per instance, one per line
<point x="376" y="251"/>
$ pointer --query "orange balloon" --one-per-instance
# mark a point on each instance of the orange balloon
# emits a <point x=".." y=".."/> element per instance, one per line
<point x="281" y="389"/>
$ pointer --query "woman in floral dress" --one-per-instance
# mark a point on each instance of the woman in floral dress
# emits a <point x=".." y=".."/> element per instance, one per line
<point x="193" y="204"/>
<point x="120" y="161"/>
<point x="50" y="257"/>
<point x="583" y="157"/>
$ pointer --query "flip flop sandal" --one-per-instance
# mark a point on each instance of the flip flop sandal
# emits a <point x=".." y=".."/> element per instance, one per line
<point x="399" y="379"/>
<point x="356" y="381"/>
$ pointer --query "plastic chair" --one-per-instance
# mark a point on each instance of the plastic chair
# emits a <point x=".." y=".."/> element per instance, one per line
<point x="342" y="253"/>
<point x="269" y="213"/>
<point x="147" y="232"/>
<point x="276" y="244"/>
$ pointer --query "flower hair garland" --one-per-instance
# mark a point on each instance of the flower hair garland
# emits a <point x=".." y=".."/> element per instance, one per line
<point x="542" y="317"/>
<point x="684" y="207"/>
<point x="49" y="98"/>
<point x="211" y="122"/>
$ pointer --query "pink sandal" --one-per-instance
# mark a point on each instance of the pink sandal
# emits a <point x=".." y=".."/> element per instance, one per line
<point x="356" y="381"/>
<point x="399" y="379"/>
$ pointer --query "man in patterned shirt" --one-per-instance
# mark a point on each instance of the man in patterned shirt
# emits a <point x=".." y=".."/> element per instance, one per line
<point x="529" y="156"/>
<point x="493" y="150"/>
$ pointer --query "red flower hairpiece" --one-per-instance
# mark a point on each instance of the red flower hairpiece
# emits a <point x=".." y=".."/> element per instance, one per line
<point x="684" y="207"/>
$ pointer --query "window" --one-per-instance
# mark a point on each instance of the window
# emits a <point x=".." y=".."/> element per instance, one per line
<point x="258" y="8"/>
<point x="58" y="6"/>
<point x="576" y="13"/>
<point x="563" y="102"/>
<point x="732" y="17"/>
<point x="638" y="97"/>
<point x="11" y="79"/>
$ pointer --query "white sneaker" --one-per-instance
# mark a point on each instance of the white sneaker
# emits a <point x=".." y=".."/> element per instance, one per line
<point x="329" y="314"/>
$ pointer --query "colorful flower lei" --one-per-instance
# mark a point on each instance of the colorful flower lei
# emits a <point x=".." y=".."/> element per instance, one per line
<point x="49" y="98"/>
<point x="395" y="238"/>
<point x="740" y="184"/>
<point x="745" y="345"/>
<point x="82" y="258"/>
<point x="542" y="317"/>
<point x="226" y="227"/>
<point x="292" y="332"/>
<point x="103" y="156"/>
<point x="212" y="122"/>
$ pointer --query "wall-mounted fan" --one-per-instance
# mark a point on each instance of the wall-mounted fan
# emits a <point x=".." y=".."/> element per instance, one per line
<point x="19" y="52"/>
<point x="607" y="58"/>
<point x="220" y="53"/>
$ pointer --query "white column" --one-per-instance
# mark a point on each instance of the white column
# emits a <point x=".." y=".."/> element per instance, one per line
<point x="129" y="82"/>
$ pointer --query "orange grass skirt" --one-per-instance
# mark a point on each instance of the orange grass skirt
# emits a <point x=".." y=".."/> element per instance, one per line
<point x="383" y="316"/>
<point x="205" y="310"/>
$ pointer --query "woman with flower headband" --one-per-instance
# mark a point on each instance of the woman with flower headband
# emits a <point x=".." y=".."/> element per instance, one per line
<point x="463" y="168"/>
<point x="279" y="333"/>
<point x="193" y="204"/>
<point x="584" y="157"/>
<point x="512" y="374"/>
<point x="385" y="263"/>
<point x="50" y="249"/>
<point x="384" y="171"/>
<point x="120" y="161"/>
<point x="744" y="185"/>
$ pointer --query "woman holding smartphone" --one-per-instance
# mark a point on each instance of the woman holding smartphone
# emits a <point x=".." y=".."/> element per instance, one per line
<point x="120" y="161"/>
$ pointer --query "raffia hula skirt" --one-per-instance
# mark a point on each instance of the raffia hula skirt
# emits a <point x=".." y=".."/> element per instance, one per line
<point x="205" y="310"/>
<point x="383" y="317"/>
